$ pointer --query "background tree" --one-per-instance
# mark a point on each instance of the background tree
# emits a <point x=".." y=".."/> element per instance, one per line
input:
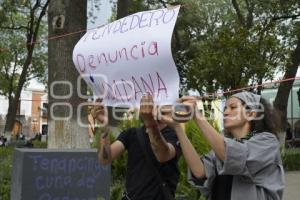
<point x="221" y="44"/>
<point x="288" y="20"/>
<point x="67" y="16"/>
<point x="123" y="8"/>
<point x="231" y="44"/>
<point x="226" y="45"/>
<point x="21" y="58"/>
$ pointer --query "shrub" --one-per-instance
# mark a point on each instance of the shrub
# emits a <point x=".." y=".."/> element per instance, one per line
<point x="184" y="189"/>
<point x="5" y="172"/>
<point x="6" y="155"/>
<point x="291" y="159"/>
<point x="39" y="144"/>
<point x="116" y="189"/>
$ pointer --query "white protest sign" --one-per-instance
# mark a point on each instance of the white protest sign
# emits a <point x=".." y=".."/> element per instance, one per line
<point x="131" y="56"/>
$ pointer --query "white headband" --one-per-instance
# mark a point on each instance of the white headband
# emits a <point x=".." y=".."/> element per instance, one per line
<point x="250" y="99"/>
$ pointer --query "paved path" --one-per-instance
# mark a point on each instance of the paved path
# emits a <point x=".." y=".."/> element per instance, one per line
<point x="292" y="189"/>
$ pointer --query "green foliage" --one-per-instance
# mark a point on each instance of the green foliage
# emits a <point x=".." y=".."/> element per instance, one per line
<point x="202" y="147"/>
<point x="220" y="50"/>
<point x="14" y="30"/>
<point x="39" y="144"/>
<point x="291" y="159"/>
<point x="117" y="188"/>
<point x="129" y="121"/>
<point x="5" y="172"/>
<point x="6" y="155"/>
<point x="22" y="55"/>
<point x="196" y="137"/>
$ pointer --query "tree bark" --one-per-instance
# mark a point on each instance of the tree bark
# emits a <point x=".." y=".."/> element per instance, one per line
<point x="64" y="129"/>
<point x="238" y="12"/>
<point x="122" y="8"/>
<point x="10" y="117"/>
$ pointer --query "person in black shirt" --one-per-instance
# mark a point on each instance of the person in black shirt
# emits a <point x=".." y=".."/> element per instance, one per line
<point x="160" y="144"/>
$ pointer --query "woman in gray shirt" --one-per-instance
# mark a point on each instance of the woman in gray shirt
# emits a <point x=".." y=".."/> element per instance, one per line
<point x="245" y="166"/>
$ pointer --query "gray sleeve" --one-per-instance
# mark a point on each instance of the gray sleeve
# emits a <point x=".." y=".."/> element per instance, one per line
<point x="205" y="184"/>
<point x="250" y="157"/>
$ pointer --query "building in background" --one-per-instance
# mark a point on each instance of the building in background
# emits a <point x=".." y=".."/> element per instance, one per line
<point x="293" y="111"/>
<point x="31" y="118"/>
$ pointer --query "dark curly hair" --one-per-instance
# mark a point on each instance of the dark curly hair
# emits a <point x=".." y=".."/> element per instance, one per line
<point x="266" y="121"/>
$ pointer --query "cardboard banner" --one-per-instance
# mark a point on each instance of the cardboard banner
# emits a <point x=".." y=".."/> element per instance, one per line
<point x="131" y="56"/>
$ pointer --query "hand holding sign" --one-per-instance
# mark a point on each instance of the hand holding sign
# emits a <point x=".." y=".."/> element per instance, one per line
<point x="147" y="109"/>
<point x="99" y="112"/>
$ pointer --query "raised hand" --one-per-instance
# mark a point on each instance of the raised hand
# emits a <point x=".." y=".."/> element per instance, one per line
<point x="147" y="110"/>
<point x="167" y="118"/>
<point x="191" y="104"/>
<point x="99" y="113"/>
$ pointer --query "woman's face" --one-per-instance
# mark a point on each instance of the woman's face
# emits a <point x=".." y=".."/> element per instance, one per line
<point x="235" y="115"/>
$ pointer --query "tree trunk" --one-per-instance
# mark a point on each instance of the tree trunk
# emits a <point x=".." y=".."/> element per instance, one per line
<point x="282" y="97"/>
<point x="14" y="101"/>
<point x="32" y="34"/>
<point x="64" y="131"/>
<point x="10" y="117"/>
<point x="122" y="8"/>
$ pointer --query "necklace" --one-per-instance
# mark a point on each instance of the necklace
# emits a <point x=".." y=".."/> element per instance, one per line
<point x="247" y="137"/>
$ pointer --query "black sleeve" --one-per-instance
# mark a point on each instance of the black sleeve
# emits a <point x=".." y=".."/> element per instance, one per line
<point x="124" y="137"/>
<point x="170" y="136"/>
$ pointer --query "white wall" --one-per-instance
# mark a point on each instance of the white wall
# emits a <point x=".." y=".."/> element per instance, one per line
<point x="26" y="103"/>
<point x="3" y="105"/>
<point x="26" y="97"/>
